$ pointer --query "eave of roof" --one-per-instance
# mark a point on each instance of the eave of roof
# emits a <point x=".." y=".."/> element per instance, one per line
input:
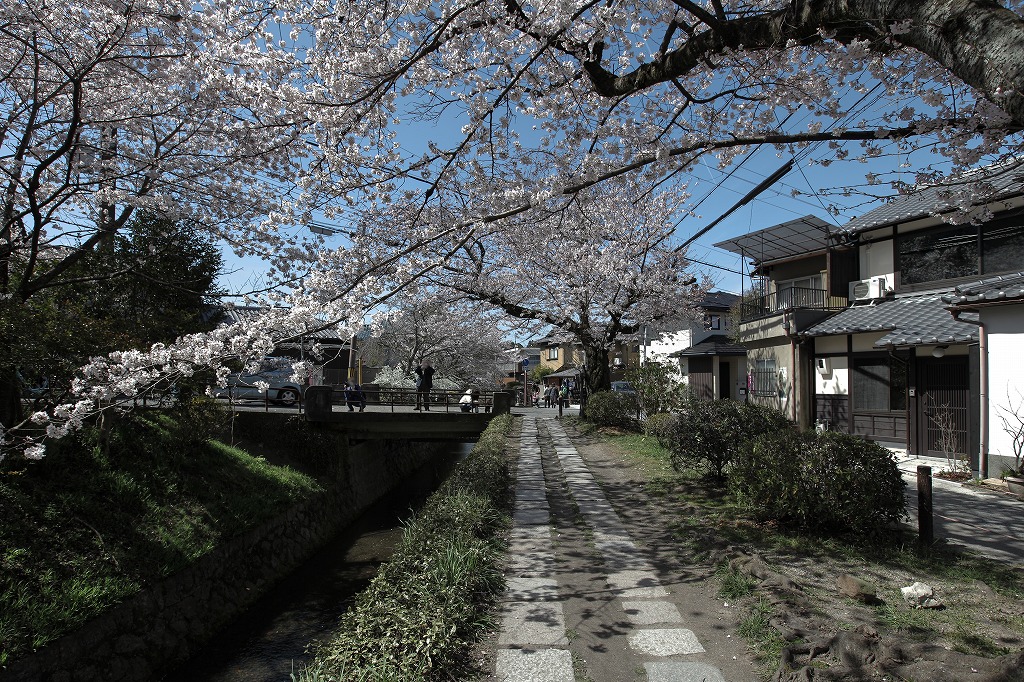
<point x="909" y="320"/>
<point x="1007" y="288"/>
<point x="937" y="199"/>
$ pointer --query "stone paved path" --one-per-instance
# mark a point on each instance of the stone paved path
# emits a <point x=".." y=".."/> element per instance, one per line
<point x="615" y="604"/>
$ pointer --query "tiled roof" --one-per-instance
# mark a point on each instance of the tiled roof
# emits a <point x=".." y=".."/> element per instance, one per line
<point x="719" y="344"/>
<point x="938" y="199"/>
<point x="718" y="299"/>
<point x="990" y="290"/>
<point x="910" y="321"/>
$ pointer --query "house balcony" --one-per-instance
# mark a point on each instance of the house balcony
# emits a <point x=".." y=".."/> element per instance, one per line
<point x="793" y="298"/>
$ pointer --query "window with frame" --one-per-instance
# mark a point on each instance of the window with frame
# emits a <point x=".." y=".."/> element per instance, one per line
<point x="764" y="377"/>
<point x="797" y="293"/>
<point x="961" y="251"/>
<point x="553" y="353"/>
<point x="879" y="384"/>
<point x="713" y="322"/>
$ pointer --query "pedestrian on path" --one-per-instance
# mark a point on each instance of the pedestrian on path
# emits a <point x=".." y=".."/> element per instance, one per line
<point x="354" y="396"/>
<point x="424" y="382"/>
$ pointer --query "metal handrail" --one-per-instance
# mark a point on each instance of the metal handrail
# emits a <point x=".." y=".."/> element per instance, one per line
<point x="402" y="397"/>
<point x="756" y="307"/>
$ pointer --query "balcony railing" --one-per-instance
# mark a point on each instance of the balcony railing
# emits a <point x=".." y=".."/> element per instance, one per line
<point x="757" y="307"/>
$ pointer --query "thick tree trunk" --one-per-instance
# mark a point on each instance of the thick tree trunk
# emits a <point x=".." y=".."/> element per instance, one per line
<point x="978" y="41"/>
<point x="596" y="375"/>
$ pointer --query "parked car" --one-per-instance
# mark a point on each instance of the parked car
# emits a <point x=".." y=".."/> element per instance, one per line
<point x="622" y="387"/>
<point x="275" y="372"/>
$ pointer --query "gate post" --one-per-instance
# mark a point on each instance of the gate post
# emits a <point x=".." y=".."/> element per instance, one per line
<point x="318" y="402"/>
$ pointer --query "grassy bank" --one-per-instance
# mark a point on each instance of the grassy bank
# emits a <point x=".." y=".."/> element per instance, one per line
<point x="983" y="614"/>
<point x="420" y="614"/>
<point x="107" y="513"/>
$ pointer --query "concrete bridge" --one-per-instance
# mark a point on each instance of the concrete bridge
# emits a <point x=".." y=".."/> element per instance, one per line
<point x="404" y="424"/>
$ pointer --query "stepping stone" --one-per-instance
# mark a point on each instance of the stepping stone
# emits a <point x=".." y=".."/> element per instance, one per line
<point x="525" y="665"/>
<point x="636" y="585"/>
<point x="672" y="671"/>
<point x="536" y="624"/>
<point x="531" y="517"/>
<point x="521" y="589"/>
<point x="651" y="612"/>
<point x="665" y="642"/>
<point x="531" y="562"/>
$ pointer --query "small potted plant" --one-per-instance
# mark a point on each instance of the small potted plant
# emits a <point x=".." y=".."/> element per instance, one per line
<point x="1012" y="418"/>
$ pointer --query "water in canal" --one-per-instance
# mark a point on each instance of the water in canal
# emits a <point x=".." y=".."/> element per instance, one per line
<point x="268" y="642"/>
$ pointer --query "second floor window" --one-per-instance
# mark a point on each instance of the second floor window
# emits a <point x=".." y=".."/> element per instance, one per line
<point x="805" y="292"/>
<point x="714" y="322"/>
<point x="961" y="251"/>
<point x="553" y="353"/>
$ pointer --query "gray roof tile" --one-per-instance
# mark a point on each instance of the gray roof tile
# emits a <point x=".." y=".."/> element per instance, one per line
<point x="990" y="290"/>
<point x="935" y="200"/>
<point x="718" y="344"/>
<point x="909" y="321"/>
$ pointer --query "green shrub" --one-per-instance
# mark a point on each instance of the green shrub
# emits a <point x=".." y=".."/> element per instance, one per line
<point x="659" y="388"/>
<point x="822" y="482"/>
<point x="659" y="426"/>
<point x="606" y="408"/>
<point x="707" y="434"/>
<point x="420" y="613"/>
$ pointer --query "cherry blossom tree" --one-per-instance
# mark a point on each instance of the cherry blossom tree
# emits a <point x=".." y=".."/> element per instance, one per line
<point x="462" y="339"/>
<point x="249" y="118"/>
<point x="598" y="267"/>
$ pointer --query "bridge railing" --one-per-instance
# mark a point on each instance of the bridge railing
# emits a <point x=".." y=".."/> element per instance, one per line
<point x="406" y="397"/>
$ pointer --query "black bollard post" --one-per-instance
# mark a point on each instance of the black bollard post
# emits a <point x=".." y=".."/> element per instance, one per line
<point x="925" y="531"/>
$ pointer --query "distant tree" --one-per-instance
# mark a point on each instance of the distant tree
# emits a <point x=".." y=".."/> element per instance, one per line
<point x="462" y="338"/>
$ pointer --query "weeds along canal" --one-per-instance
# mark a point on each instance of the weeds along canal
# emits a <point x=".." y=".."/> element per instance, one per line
<point x="268" y="642"/>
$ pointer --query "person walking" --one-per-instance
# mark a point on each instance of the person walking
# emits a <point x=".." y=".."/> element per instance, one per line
<point x="424" y="382"/>
<point x="354" y="396"/>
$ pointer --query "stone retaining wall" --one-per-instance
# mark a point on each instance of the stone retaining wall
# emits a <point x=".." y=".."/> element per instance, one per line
<point x="143" y="637"/>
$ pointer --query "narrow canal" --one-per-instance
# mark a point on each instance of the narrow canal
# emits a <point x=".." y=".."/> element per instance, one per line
<point x="267" y="643"/>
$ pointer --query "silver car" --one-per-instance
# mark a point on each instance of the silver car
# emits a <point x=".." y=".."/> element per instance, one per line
<point x="277" y="375"/>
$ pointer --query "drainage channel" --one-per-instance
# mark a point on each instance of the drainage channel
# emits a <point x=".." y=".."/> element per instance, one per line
<point x="268" y="642"/>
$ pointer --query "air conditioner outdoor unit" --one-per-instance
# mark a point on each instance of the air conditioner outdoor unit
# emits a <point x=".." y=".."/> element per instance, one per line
<point x="867" y="289"/>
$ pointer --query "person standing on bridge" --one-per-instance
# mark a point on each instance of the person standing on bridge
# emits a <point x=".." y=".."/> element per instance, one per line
<point x="424" y="382"/>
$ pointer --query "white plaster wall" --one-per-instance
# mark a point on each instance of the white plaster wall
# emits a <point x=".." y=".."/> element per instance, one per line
<point x="877" y="259"/>
<point x="835" y="382"/>
<point x="1005" y="325"/>
<point x="830" y="344"/>
<point x="864" y="343"/>
<point x="668" y="342"/>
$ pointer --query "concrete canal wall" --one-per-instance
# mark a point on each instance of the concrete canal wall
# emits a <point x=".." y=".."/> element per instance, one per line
<point x="146" y="635"/>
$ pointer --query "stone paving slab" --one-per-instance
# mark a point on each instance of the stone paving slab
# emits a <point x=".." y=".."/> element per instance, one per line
<point x="665" y="642"/>
<point x="531" y="589"/>
<point x="531" y="517"/>
<point x="636" y="585"/>
<point x="652" y="612"/>
<point x="526" y="665"/>
<point x="534" y="562"/>
<point x="674" y="671"/>
<point x="529" y="624"/>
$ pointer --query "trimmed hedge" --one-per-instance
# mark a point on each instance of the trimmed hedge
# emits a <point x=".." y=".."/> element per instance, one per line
<point x="419" y="615"/>
<point x="707" y="434"/>
<point x="822" y="482"/>
<point x="606" y="408"/>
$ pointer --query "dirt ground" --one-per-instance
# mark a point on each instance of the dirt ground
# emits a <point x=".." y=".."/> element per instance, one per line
<point x="811" y="630"/>
<point x="977" y="634"/>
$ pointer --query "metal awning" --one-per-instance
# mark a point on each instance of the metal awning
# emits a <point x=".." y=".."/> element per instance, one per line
<point x="798" y="237"/>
